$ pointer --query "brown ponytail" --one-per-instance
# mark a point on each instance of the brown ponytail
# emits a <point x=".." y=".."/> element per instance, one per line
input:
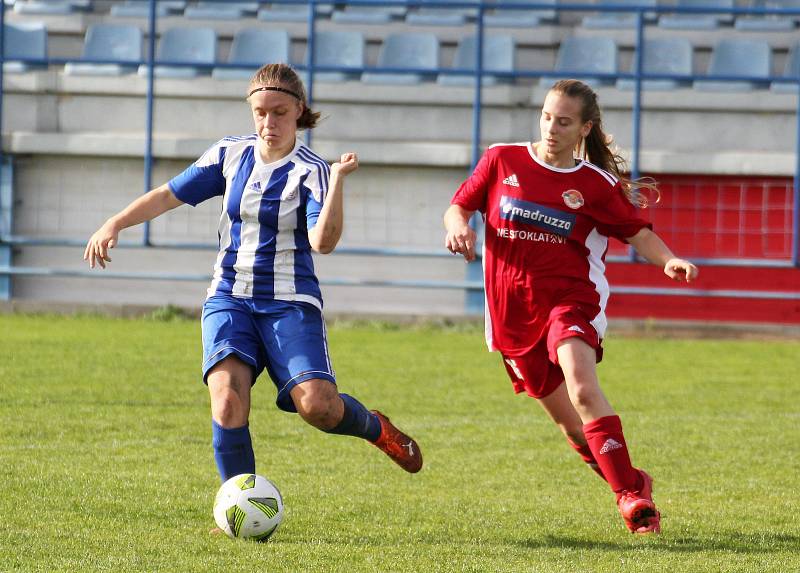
<point x="283" y="76"/>
<point x="597" y="146"/>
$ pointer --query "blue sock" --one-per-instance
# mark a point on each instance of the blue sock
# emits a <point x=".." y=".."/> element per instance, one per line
<point x="357" y="420"/>
<point x="233" y="450"/>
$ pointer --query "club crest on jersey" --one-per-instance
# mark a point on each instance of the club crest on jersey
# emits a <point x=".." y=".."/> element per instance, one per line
<point x="526" y="212"/>
<point x="572" y="198"/>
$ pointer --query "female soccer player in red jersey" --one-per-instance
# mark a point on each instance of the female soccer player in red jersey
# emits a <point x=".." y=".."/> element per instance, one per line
<point x="548" y="216"/>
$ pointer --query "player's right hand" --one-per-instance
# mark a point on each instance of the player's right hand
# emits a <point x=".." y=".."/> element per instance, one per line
<point x="346" y="164"/>
<point x="461" y="241"/>
<point x="104" y="238"/>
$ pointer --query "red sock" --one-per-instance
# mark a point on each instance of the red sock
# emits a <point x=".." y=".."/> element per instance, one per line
<point x="586" y="454"/>
<point x="607" y="444"/>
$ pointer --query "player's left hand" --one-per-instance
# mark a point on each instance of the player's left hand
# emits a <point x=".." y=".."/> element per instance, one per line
<point x="680" y="270"/>
<point x="346" y="165"/>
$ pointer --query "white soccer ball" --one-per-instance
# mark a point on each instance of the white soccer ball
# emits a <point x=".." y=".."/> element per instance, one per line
<point x="248" y="506"/>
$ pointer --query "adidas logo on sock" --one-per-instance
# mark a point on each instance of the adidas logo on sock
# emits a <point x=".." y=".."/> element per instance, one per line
<point x="610" y="445"/>
<point x="511" y="180"/>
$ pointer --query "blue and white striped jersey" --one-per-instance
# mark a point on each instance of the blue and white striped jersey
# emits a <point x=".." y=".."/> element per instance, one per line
<point x="267" y="210"/>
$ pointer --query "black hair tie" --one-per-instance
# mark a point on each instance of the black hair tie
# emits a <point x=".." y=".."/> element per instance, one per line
<point x="276" y="89"/>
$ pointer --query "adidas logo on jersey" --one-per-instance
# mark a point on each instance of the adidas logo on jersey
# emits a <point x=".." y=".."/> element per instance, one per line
<point x="511" y="180"/>
<point x="610" y="445"/>
<point x="255" y="186"/>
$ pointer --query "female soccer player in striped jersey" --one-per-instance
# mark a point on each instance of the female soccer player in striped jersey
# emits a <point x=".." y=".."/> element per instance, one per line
<point x="264" y="306"/>
<point x="548" y="216"/>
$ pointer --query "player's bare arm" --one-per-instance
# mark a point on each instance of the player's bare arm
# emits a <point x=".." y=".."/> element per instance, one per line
<point x="147" y="207"/>
<point x="326" y="233"/>
<point x="650" y="246"/>
<point x="460" y="238"/>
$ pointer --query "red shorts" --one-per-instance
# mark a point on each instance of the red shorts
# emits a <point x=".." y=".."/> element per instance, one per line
<point x="537" y="372"/>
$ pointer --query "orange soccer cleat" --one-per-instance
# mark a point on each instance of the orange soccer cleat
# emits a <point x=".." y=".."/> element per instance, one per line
<point x="401" y="448"/>
<point x="637" y="508"/>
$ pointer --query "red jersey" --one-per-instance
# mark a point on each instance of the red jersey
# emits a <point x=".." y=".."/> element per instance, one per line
<point x="547" y="233"/>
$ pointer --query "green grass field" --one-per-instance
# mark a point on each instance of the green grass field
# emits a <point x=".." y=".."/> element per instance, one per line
<point x="106" y="460"/>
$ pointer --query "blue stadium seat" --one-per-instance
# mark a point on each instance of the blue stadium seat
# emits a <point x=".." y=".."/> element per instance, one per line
<point x="738" y="58"/>
<point x="513" y="18"/>
<point x="185" y="45"/>
<point x="437" y="16"/>
<point x="51" y="6"/>
<point x="221" y="10"/>
<point x="24" y="40"/>
<point x="578" y="55"/>
<point x="354" y="14"/>
<point x="108" y="42"/>
<point x="252" y="48"/>
<point x="610" y="20"/>
<point x="698" y="21"/>
<point x="790" y="70"/>
<point x="406" y="50"/>
<point x="772" y="22"/>
<point x="137" y="9"/>
<point x="339" y="49"/>
<point x="292" y="12"/>
<point x="498" y="56"/>
<point x="672" y="56"/>
<point x="141" y="9"/>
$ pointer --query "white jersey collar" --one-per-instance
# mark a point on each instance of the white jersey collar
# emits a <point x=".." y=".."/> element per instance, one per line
<point x="280" y="162"/>
<point x="532" y="153"/>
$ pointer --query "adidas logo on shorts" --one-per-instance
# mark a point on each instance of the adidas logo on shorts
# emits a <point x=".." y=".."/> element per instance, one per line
<point x="511" y="180"/>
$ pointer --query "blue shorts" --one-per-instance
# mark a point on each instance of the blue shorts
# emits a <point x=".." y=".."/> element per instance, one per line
<point x="287" y="338"/>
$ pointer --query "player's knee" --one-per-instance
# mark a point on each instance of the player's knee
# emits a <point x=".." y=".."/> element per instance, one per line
<point x="229" y="411"/>
<point x="318" y="411"/>
<point x="584" y="396"/>
<point x="229" y="406"/>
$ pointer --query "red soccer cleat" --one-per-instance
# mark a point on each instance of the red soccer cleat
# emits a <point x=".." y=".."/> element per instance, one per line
<point x="401" y="448"/>
<point x="637" y="508"/>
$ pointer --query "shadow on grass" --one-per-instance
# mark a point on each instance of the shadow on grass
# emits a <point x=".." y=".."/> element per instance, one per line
<point x="737" y="542"/>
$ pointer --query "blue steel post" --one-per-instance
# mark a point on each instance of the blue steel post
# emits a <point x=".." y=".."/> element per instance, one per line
<point x="6" y="225"/>
<point x="2" y="62"/>
<point x="475" y="298"/>
<point x="6" y="190"/>
<point x="312" y="28"/>
<point x="796" y="191"/>
<point x="148" y="143"/>
<point x="637" y="96"/>
<point x="637" y="104"/>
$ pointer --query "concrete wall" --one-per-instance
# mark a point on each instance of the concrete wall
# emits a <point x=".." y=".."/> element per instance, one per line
<point x="682" y="131"/>
<point x="67" y="198"/>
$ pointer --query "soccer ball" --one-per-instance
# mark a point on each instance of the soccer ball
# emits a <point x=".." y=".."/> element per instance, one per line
<point x="248" y="506"/>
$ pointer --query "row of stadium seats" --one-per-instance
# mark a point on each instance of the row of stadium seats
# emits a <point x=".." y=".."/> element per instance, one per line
<point x="751" y="59"/>
<point x="397" y="10"/>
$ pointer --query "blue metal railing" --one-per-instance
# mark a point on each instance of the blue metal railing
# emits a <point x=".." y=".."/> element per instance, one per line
<point x="7" y="238"/>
